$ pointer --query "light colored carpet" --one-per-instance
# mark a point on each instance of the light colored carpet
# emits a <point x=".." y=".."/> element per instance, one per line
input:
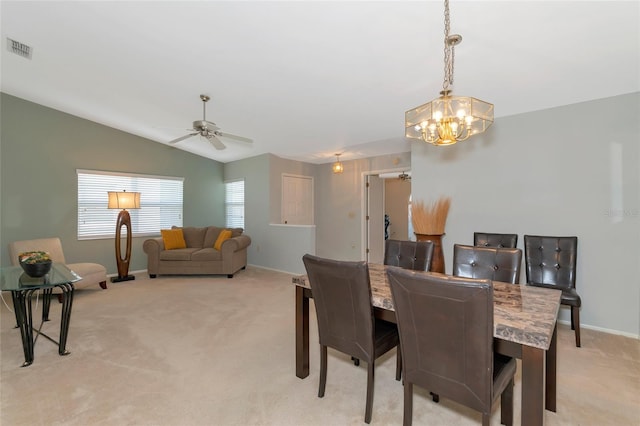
<point x="218" y="351"/>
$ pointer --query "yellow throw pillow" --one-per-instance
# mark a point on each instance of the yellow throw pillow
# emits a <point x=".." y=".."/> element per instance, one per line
<point x="225" y="234"/>
<point x="173" y="239"/>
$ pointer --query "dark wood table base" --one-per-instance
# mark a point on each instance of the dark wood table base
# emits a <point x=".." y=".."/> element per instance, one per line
<point x="535" y="377"/>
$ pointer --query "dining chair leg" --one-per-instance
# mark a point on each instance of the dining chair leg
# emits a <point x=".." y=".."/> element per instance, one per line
<point x="407" y="417"/>
<point x="323" y="370"/>
<point x="506" y="405"/>
<point x="486" y="419"/>
<point x="573" y="327"/>
<point x="398" y="364"/>
<point x="575" y="319"/>
<point x="370" y="384"/>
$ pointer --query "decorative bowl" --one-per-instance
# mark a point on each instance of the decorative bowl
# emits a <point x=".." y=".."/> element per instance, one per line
<point x="36" y="264"/>
<point x="38" y="269"/>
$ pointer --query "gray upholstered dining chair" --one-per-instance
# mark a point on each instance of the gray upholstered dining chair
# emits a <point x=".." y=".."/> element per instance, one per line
<point x="551" y="262"/>
<point x="446" y="337"/>
<point x="494" y="263"/>
<point x="342" y="296"/>
<point x="486" y="239"/>
<point x="414" y="255"/>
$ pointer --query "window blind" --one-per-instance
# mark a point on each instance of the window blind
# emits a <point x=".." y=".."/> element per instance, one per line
<point x="160" y="203"/>
<point x="234" y="203"/>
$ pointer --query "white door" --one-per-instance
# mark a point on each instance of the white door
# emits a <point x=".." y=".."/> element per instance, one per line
<point x="297" y="200"/>
<point x="375" y="219"/>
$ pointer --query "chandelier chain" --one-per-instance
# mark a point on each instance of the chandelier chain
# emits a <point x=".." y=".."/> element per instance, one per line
<point x="448" y="50"/>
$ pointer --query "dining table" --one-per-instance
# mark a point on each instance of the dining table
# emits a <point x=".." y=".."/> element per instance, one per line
<point x="524" y="327"/>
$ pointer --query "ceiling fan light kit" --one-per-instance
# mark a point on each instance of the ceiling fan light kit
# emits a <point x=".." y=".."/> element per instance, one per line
<point x="209" y="130"/>
<point x="448" y="119"/>
<point x="404" y="176"/>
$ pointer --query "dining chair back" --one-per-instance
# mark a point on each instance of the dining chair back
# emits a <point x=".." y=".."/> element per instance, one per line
<point x="485" y="239"/>
<point x="446" y="337"/>
<point x="550" y="262"/>
<point x="342" y="295"/>
<point x="496" y="264"/>
<point x="414" y="255"/>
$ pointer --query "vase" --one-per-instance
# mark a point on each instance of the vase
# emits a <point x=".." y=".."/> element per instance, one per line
<point x="437" y="262"/>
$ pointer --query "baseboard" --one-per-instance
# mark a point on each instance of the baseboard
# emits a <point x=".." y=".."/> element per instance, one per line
<point x="603" y="330"/>
<point x="273" y="269"/>
<point x="141" y="271"/>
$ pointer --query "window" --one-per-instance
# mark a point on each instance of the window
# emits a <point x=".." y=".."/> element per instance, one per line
<point x="234" y="203"/>
<point x="160" y="203"/>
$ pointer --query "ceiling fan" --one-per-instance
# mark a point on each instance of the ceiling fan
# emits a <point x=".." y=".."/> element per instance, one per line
<point x="209" y="130"/>
<point x="404" y="176"/>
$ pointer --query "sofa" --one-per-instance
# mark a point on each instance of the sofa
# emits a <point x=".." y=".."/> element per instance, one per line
<point x="197" y="255"/>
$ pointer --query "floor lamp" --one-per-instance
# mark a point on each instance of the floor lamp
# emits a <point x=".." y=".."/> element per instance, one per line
<point x="123" y="200"/>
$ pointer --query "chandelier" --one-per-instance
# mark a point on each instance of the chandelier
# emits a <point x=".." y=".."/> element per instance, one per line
<point x="448" y="119"/>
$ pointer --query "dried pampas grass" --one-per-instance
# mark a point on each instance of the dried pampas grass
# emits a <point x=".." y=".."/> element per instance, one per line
<point x="430" y="219"/>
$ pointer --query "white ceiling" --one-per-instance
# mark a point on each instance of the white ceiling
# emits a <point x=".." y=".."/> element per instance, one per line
<point x="306" y="79"/>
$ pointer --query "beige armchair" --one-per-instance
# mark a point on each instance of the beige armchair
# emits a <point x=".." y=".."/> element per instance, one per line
<point x="91" y="273"/>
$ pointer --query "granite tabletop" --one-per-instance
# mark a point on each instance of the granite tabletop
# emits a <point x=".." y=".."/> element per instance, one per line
<point x="521" y="314"/>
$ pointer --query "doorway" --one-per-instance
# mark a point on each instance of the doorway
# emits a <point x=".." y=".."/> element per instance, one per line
<point x="386" y="201"/>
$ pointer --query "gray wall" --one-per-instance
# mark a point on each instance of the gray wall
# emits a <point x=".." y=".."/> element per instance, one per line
<point x="572" y="170"/>
<point x="396" y="200"/>
<point x="273" y="246"/>
<point x="577" y="175"/>
<point x="340" y="201"/>
<point x="40" y="150"/>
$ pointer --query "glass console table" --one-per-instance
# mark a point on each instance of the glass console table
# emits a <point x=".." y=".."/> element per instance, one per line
<point x="23" y="287"/>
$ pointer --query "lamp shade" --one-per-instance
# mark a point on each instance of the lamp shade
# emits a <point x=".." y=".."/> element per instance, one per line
<point x="124" y="200"/>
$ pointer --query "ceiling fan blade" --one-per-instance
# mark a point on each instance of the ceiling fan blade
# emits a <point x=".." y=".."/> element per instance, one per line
<point x="217" y="143"/>
<point x="181" y="138"/>
<point x="234" y="137"/>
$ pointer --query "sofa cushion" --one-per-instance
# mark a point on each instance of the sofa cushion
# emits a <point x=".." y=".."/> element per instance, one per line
<point x="178" y="254"/>
<point x="211" y="236"/>
<point x="222" y="237"/>
<point x="173" y="239"/>
<point x="214" y="231"/>
<point x="194" y="236"/>
<point x="236" y="232"/>
<point x="90" y="272"/>
<point x="205" y="254"/>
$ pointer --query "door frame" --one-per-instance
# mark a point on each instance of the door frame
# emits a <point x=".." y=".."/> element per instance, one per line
<point x="364" y="205"/>
<point x="283" y="176"/>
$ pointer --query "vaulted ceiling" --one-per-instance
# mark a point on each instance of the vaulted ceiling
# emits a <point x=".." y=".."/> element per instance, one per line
<point x="307" y="79"/>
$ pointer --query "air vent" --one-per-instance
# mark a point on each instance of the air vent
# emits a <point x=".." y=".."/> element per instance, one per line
<point x="19" y="49"/>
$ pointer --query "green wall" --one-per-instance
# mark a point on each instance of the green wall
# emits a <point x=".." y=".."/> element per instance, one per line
<point x="40" y="150"/>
